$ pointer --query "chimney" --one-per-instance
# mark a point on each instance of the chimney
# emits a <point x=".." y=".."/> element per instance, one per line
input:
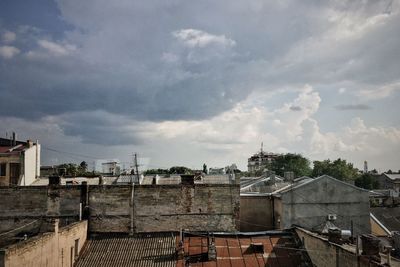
<point x="334" y="235"/>
<point x="272" y="177"/>
<point x="212" y="250"/>
<point x="370" y="247"/>
<point x="30" y="143"/>
<point x="50" y="225"/>
<point x="14" y="139"/>
<point x="289" y="176"/>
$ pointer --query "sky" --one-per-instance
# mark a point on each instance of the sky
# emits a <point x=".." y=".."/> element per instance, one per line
<point x="192" y="82"/>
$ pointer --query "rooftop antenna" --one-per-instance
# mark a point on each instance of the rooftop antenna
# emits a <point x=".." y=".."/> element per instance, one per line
<point x="262" y="144"/>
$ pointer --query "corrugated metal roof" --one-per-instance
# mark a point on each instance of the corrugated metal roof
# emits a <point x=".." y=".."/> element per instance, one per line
<point x="159" y="249"/>
<point x="147" y="249"/>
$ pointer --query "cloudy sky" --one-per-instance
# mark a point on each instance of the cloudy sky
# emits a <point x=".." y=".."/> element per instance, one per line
<point x="186" y="82"/>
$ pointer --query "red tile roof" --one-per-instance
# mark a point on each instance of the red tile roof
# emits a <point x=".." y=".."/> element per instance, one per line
<point x="237" y="250"/>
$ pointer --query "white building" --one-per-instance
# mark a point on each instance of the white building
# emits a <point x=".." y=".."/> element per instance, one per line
<point x="19" y="162"/>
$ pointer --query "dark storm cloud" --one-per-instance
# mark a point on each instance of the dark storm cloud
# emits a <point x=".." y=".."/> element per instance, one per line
<point x="177" y="60"/>
<point x="353" y="107"/>
<point x="295" y="108"/>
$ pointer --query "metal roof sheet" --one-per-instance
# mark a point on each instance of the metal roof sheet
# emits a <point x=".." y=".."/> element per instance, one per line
<point x="159" y="249"/>
<point x="147" y="249"/>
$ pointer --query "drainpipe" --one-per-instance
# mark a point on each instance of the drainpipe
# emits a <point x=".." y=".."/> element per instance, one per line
<point x="273" y="211"/>
<point x="37" y="160"/>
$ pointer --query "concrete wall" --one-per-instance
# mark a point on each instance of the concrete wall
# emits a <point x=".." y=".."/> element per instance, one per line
<point x="30" y="166"/>
<point x="256" y="213"/>
<point x="310" y="204"/>
<point x="324" y="253"/>
<point x="110" y="207"/>
<point x="49" y="249"/>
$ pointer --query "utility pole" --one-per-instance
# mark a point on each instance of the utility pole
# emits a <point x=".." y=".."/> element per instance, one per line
<point x="136" y="167"/>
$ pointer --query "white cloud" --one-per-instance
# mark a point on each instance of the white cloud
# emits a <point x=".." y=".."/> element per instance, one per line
<point x="9" y="37"/>
<point x="8" y="52"/>
<point x="198" y="38"/>
<point x="380" y="92"/>
<point x="55" y="48"/>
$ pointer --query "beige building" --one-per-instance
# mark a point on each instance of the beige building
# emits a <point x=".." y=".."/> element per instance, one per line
<point x="19" y="162"/>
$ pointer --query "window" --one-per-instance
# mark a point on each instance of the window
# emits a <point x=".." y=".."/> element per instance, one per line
<point x="3" y="167"/>
<point x="76" y="248"/>
<point x="72" y="257"/>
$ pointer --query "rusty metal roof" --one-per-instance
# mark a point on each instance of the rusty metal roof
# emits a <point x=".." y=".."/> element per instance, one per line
<point x="237" y="250"/>
<point x="147" y="249"/>
<point x="159" y="249"/>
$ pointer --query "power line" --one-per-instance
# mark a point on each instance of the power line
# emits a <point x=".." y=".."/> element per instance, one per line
<point x="69" y="153"/>
<point x="21" y="227"/>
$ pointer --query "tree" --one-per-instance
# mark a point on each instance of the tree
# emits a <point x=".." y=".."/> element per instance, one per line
<point x="366" y="181"/>
<point x="156" y="171"/>
<point x="205" y="170"/>
<point x="83" y="167"/>
<point x="71" y="169"/>
<point x="389" y="171"/>
<point x="290" y="162"/>
<point x="179" y="170"/>
<point x="338" y="169"/>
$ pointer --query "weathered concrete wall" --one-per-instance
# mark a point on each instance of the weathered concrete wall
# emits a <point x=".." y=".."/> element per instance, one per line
<point x="309" y="206"/>
<point x="324" y="253"/>
<point x="198" y="207"/>
<point x="111" y="208"/>
<point x="256" y="213"/>
<point x="49" y="249"/>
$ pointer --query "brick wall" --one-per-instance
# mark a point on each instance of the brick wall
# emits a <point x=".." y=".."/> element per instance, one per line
<point x="206" y="207"/>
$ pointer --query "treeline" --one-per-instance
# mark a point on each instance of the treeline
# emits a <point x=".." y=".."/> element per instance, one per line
<point x="339" y="169"/>
<point x="73" y="170"/>
<point x="172" y="170"/>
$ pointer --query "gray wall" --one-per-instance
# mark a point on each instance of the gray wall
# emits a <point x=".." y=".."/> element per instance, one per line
<point x="309" y="205"/>
<point x="256" y="213"/>
<point x="154" y="207"/>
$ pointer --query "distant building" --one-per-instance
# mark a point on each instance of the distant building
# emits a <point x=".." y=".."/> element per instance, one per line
<point x="259" y="160"/>
<point x="316" y="203"/>
<point x="111" y="168"/>
<point x="389" y="181"/>
<point x="307" y="202"/>
<point x="19" y="162"/>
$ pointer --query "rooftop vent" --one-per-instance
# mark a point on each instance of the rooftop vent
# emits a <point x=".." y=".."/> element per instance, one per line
<point x="257" y="247"/>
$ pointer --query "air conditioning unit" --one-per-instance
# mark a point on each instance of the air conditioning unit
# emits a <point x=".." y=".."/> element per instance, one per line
<point x="331" y="217"/>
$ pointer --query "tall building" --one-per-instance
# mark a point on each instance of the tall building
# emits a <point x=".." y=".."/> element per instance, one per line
<point x="259" y="160"/>
<point x="365" y="166"/>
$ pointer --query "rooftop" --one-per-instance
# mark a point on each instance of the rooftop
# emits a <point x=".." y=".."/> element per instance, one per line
<point x="388" y="216"/>
<point x="147" y="249"/>
<point x="273" y="248"/>
<point x="393" y="176"/>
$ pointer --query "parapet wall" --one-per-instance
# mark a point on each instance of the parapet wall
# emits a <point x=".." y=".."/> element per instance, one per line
<point x="58" y="248"/>
<point x="121" y="208"/>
